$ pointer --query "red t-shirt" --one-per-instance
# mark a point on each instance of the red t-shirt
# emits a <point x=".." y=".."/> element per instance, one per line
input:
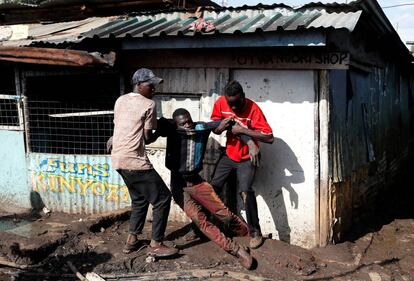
<point x="252" y="118"/>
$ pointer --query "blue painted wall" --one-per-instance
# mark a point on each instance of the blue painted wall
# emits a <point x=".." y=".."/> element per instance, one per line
<point x="14" y="190"/>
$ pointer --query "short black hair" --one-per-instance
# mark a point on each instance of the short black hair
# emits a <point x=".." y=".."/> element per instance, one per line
<point x="233" y="88"/>
<point x="180" y="111"/>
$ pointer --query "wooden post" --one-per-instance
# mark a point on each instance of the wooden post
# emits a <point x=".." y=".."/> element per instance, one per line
<point x="323" y="216"/>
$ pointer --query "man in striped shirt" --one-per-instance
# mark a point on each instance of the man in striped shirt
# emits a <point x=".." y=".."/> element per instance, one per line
<point x="186" y="144"/>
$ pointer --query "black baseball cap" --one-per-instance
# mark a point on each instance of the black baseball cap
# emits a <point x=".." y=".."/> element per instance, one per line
<point x="145" y="75"/>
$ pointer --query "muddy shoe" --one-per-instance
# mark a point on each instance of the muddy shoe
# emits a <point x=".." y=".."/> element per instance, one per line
<point x="245" y="258"/>
<point x="162" y="251"/>
<point x="256" y="241"/>
<point x="131" y="247"/>
<point x="169" y="244"/>
<point x="190" y="236"/>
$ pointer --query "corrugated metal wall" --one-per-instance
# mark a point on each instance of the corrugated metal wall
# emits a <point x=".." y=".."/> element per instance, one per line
<point x="370" y="119"/>
<point x="371" y="115"/>
<point x="77" y="183"/>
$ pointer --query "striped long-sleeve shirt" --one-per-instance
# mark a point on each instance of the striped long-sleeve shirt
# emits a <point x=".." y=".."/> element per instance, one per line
<point x="186" y="148"/>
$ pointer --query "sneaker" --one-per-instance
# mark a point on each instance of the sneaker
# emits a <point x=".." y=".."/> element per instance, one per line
<point x="245" y="258"/>
<point x="256" y="241"/>
<point x="162" y="251"/>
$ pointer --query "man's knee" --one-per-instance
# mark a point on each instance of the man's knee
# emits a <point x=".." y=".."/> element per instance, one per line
<point x="163" y="200"/>
<point x="139" y="207"/>
<point x="218" y="182"/>
<point x="193" y="212"/>
<point x="166" y="198"/>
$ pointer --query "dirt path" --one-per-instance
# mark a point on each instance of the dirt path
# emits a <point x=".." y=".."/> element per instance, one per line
<point x="41" y="247"/>
<point x="38" y="247"/>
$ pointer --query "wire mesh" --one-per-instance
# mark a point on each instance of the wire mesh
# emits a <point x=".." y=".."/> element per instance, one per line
<point x="9" y="101"/>
<point x="68" y="127"/>
<point x="9" y="113"/>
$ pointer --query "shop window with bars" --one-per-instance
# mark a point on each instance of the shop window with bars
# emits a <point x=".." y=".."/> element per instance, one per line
<point x="10" y="103"/>
<point x="69" y="128"/>
<point x="10" y="112"/>
<point x="75" y="119"/>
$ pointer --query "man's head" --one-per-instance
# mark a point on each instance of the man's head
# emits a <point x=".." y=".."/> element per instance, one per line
<point x="182" y="119"/>
<point x="234" y="95"/>
<point x="144" y="82"/>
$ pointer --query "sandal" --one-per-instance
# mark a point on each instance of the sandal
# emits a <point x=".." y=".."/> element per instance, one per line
<point x="190" y="236"/>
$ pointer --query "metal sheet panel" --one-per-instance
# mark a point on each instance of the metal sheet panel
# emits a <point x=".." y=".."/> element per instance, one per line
<point x="182" y="81"/>
<point x="56" y="3"/>
<point x="26" y="34"/>
<point x="370" y="118"/>
<point x="86" y="184"/>
<point x="50" y="56"/>
<point x="77" y="183"/>
<point x="339" y="20"/>
<point x="370" y="135"/>
<point x="13" y="180"/>
<point x="226" y="21"/>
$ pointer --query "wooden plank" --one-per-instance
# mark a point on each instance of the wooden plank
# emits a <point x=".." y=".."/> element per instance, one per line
<point x="51" y="56"/>
<point x="324" y="216"/>
<point x="81" y="114"/>
<point x="317" y="156"/>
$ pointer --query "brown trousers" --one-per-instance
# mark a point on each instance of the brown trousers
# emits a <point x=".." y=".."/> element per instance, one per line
<point x="194" y="198"/>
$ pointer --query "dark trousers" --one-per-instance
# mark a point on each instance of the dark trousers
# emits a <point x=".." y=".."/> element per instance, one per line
<point x="146" y="187"/>
<point x="192" y="199"/>
<point x="245" y="176"/>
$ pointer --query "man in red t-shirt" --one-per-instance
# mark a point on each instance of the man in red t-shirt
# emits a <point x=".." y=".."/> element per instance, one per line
<point x="249" y="120"/>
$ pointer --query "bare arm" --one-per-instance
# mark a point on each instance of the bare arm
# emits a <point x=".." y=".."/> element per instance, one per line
<point x="239" y="130"/>
<point x="224" y="125"/>
<point x="254" y="150"/>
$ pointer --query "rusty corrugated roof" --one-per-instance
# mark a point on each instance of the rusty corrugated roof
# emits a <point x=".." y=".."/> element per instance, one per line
<point x="57" y="33"/>
<point x="226" y="21"/>
<point x="49" y="56"/>
<point x="53" y="3"/>
<point x="35" y="11"/>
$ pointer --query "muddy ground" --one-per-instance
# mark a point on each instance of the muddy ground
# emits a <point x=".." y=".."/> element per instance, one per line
<point x="39" y="247"/>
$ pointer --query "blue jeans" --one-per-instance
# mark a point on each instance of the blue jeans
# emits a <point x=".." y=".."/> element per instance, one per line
<point x="146" y="187"/>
